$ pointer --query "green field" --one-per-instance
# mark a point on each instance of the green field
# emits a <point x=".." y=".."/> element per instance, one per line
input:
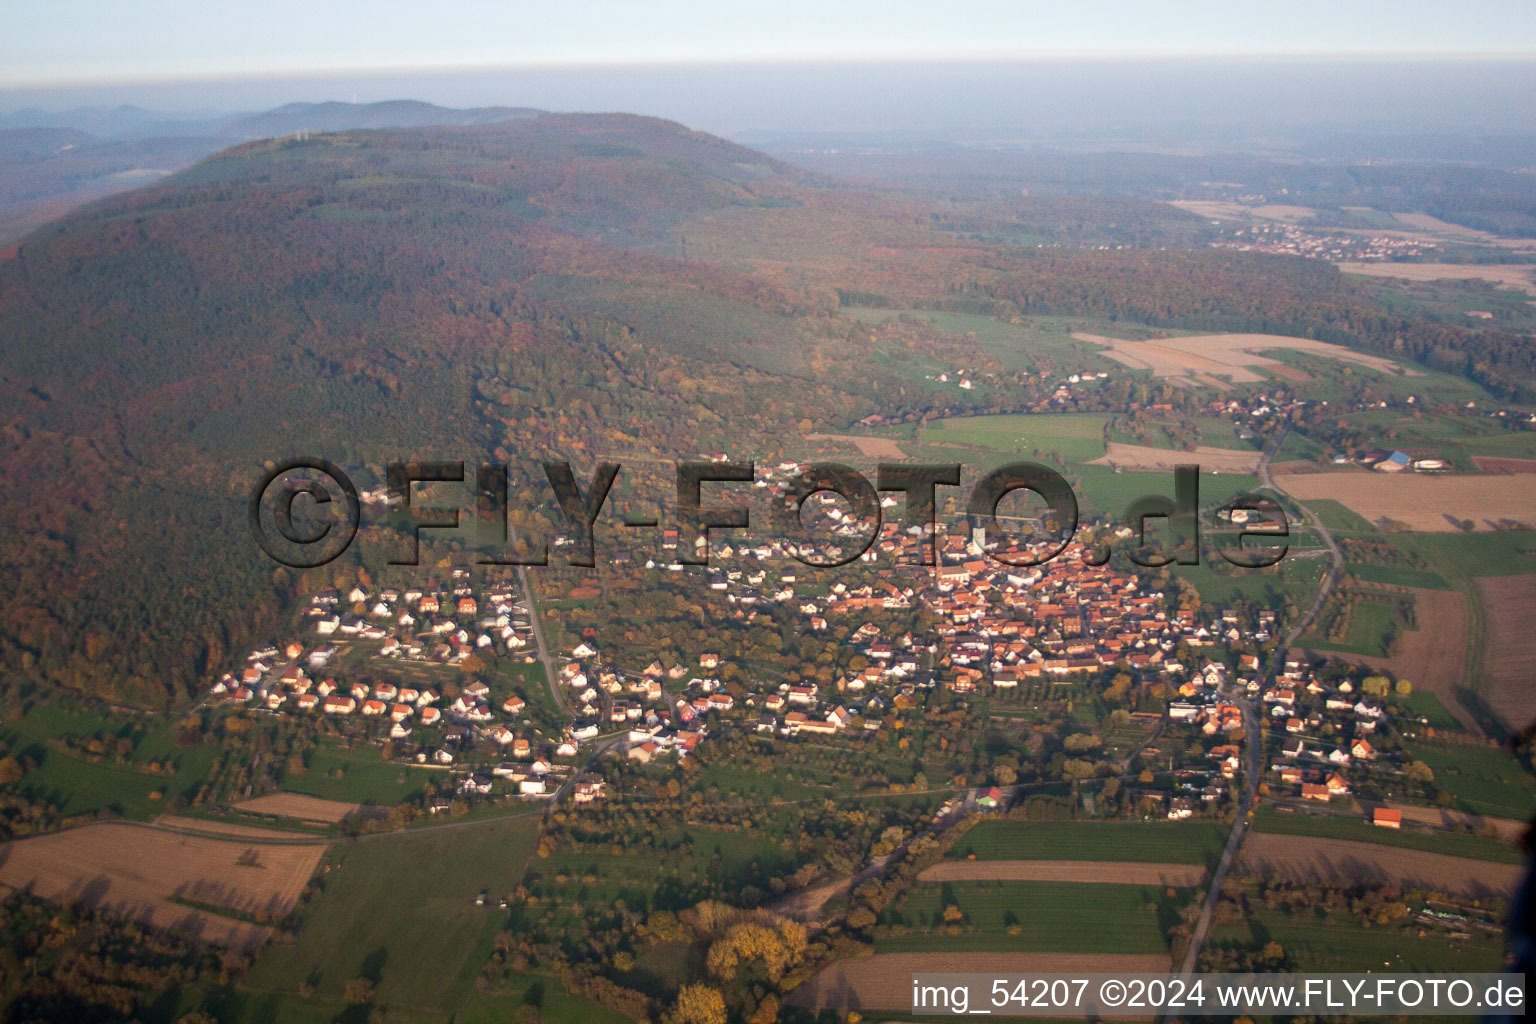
<point x="1501" y="553"/>
<point x="1320" y="943"/>
<point x="1410" y="837"/>
<point x="1063" y="917"/>
<point x="1427" y="705"/>
<point x="1396" y="575"/>
<point x="1074" y="438"/>
<point x="1160" y="842"/>
<point x="1339" y="518"/>
<point x="77" y="785"/>
<point x="365" y="777"/>
<point x="399" y="909"/>
<point x="1372" y="627"/>
<point x="1483" y="780"/>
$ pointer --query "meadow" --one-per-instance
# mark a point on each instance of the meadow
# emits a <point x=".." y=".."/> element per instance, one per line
<point x="1062" y="917"/>
<point x="1355" y="827"/>
<point x="1150" y="842"/>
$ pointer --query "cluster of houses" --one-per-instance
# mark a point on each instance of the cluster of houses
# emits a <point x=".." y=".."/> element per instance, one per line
<point x="1290" y="240"/>
<point x="1328" y="729"/>
<point x="436" y="625"/>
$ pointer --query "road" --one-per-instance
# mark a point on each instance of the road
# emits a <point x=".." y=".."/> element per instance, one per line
<point x="538" y="637"/>
<point x="1254" y="741"/>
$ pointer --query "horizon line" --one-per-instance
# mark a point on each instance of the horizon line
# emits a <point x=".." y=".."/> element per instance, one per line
<point x="767" y="61"/>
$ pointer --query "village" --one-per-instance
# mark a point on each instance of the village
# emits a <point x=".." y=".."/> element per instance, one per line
<point x="1001" y="627"/>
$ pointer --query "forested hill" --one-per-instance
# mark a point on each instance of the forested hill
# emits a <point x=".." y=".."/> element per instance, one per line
<point x="609" y="284"/>
<point x="352" y="295"/>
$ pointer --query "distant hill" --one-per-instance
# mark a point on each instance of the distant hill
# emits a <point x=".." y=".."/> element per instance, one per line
<point x="53" y="162"/>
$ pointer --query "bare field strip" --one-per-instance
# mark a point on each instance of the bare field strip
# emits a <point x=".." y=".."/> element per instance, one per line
<point x="1343" y="862"/>
<point x="870" y="447"/>
<point x="1508" y="275"/>
<point x="136" y="871"/>
<point x="1509" y="651"/>
<point x="1116" y="872"/>
<point x="1499" y="464"/>
<point x="296" y="805"/>
<point x="1136" y="456"/>
<point x="1235" y="357"/>
<point x="884" y="981"/>
<point x="1432" y="657"/>
<point x="1428" y="504"/>
<point x="227" y="828"/>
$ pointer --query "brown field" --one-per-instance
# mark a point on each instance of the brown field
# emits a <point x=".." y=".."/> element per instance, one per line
<point x="884" y="981"/>
<point x="1427" y="504"/>
<point x="1342" y="862"/>
<point x="1509" y="829"/>
<point x="1509" y="651"/>
<point x="296" y="805"/>
<point x="1520" y="276"/>
<point x="227" y="828"/>
<point x="870" y="447"/>
<point x="1123" y="872"/>
<point x="1498" y="464"/>
<point x="1234" y="357"/>
<point x="1432" y="657"/>
<point x="1136" y="456"/>
<point x="1424" y="222"/>
<point x="136" y="871"/>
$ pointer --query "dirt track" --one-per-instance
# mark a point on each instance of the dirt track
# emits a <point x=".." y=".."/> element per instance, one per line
<point x="135" y="871"/>
<point x="1342" y="862"/>
<point x="1123" y="872"/>
<point x="884" y="981"/>
<point x="1509" y="651"/>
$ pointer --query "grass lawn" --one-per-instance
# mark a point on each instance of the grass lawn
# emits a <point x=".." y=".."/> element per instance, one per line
<point x="80" y="786"/>
<point x="1396" y="575"/>
<point x="1483" y="780"/>
<point x="1062" y="917"/>
<point x="1075" y="437"/>
<point x="1410" y="837"/>
<point x="1159" y="842"/>
<point x="1338" y="517"/>
<point x="1427" y="705"/>
<point x="365" y="777"/>
<point x="400" y="909"/>
<point x="1340" y="944"/>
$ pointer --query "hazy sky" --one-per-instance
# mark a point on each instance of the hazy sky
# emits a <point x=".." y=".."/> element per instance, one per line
<point x="57" y="42"/>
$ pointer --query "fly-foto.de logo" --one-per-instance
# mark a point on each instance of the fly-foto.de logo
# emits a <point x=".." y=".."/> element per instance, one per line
<point x="305" y="512"/>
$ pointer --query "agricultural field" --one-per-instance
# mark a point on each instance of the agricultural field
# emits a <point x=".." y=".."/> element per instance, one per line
<point x="1159" y="842"/>
<point x="1481" y="779"/>
<point x="1217" y="358"/>
<point x="1355" y="828"/>
<point x="1521" y="276"/>
<point x="399" y="909"/>
<point x="1432" y="504"/>
<point x="1509" y="654"/>
<point x="1343" y="862"/>
<point x="1116" y="872"/>
<point x="1320" y="942"/>
<point x="1058" y="917"/>
<point x="1075" y="438"/>
<point x="167" y="879"/>
<point x="356" y="775"/>
<point x="299" y="807"/>
<point x="1141" y="457"/>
